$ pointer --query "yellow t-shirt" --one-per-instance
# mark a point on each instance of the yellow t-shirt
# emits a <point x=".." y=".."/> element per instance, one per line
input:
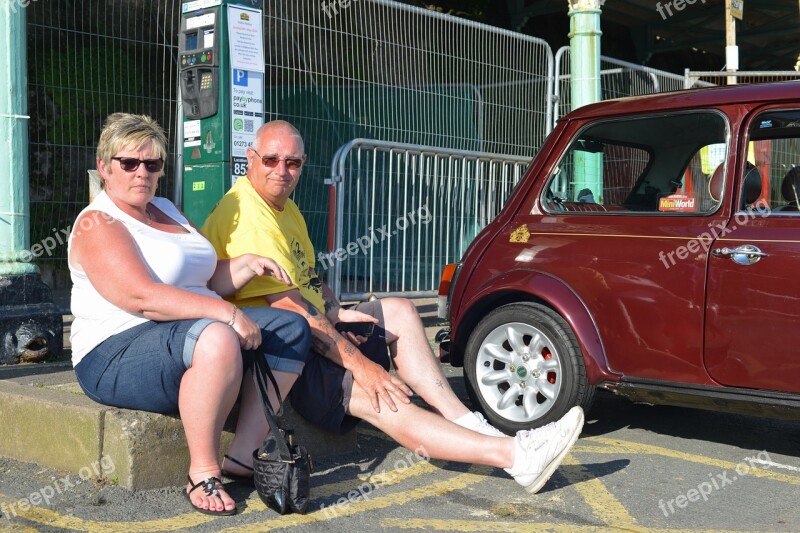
<point x="243" y="223"/>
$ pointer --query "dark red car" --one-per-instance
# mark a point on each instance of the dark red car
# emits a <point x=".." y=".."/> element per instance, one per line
<point x="652" y="249"/>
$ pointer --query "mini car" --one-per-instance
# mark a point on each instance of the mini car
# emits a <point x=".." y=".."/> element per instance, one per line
<point x="649" y="250"/>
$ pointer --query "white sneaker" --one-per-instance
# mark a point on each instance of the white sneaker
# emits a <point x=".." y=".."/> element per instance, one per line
<point x="539" y="452"/>
<point x="475" y="421"/>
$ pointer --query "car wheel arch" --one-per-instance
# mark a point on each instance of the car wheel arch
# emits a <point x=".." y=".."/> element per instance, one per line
<point x="545" y="289"/>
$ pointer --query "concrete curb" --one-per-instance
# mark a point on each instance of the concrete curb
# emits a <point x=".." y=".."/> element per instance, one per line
<point x="45" y="424"/>
<point x="46" y="419"/>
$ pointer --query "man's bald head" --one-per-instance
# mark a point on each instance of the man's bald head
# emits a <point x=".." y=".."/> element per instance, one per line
<point x="275" y="162"/>
<point x="276" y="128"/>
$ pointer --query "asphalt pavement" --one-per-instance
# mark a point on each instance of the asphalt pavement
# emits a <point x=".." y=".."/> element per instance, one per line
<point x="635" y="467"/>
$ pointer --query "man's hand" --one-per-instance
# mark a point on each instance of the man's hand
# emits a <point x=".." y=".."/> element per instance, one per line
<point x="380" y="385"/>
<point x="351" y="315"/>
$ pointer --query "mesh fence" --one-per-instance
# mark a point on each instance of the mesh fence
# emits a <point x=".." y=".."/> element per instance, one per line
<point x="376" y="69"/>
<point x="87" y="60"/>
<point x="697" y="78"/>
<point x="617" y="79"/>
<point x="386" y="71"/>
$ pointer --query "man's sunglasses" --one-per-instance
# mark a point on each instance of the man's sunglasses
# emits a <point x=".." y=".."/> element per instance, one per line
<point x="130" y="164"/>
<point x="272" y="161"/>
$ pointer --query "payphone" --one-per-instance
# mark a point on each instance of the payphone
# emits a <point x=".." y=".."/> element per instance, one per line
<point x="221" y="60"/>
<point x="198" y="46"/>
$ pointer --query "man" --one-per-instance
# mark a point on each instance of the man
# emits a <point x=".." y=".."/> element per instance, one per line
<point x="347" y="377"/>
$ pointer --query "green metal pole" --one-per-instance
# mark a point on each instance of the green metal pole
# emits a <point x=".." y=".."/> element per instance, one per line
<point x="584" y="39"/>
<point x="14" y="197"/>
<point x="31" y="327"/>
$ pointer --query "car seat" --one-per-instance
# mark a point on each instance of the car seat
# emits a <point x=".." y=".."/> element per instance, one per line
<point x="790" y="189"/>
<point x="751" y="186"/>
<point x="716" y="182"/>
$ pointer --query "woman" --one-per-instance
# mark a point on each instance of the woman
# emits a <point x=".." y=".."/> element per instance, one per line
<point x="150" y="330"/>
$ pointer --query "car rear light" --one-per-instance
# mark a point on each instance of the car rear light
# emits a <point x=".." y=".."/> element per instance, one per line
<point x="448" y="275"/>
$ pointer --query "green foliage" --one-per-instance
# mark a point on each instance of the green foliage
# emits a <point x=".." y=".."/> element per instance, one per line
<point x="89" y="80"/>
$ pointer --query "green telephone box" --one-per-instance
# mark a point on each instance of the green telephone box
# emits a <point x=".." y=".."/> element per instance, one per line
<point x="221" y="58"/>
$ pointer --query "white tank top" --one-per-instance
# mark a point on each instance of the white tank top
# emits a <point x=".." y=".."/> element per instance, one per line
<point x="184" y="260"/>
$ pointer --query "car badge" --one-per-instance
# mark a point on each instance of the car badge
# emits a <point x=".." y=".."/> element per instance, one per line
<point x="521" y="234"/>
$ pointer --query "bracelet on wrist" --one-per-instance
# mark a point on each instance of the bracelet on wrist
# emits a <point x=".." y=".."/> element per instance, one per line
<point x="232" y="321"/>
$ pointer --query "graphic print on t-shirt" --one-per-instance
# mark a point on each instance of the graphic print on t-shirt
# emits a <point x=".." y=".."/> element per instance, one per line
<point x="308" y="282"/>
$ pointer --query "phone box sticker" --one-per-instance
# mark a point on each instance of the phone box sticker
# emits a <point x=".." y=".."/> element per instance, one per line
<point x="682" y="203"/>
<point x="191" y="133"/>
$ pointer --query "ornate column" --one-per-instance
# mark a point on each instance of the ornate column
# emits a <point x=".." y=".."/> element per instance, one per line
<point x="30" y="325"/>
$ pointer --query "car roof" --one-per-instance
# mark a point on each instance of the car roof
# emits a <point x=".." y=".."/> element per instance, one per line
<point x="694" y="98"/>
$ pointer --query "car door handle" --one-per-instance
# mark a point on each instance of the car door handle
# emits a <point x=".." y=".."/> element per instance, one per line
<point x="746" y="254"/>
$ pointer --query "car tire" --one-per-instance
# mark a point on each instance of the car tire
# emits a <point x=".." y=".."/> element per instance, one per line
<point x="523" y="367"/>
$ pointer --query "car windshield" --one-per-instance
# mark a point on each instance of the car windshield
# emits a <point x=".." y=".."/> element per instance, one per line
<point x="661" y="164"/>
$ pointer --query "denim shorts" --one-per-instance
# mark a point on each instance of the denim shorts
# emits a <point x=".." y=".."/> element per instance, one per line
<point x="142" y="367"/>
<point x="322" y="392"/>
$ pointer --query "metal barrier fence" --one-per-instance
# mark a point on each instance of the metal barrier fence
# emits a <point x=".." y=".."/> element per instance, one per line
<point x="87" y="60"/>
<point x="383" y="70"/>
<point x="617" y="79"/>
<point x="693" y="79"/>
<point x="403" y="211"/>
<point x="376" y="69"/>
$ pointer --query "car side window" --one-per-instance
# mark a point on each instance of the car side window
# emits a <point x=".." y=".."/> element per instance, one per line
<point x="656" y="164"/>
<point x="772" y="173"/>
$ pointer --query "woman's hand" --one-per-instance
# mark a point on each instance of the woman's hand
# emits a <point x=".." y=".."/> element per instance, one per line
<point x="264" y="266"/>
<point x="233" y="274"/>
<point x="248" y="331"/>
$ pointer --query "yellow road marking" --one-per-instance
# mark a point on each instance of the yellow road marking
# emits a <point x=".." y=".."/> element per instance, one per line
<point x="522" y="527"/>
<point x="15" y="528"/>
<point x="480" y="525"/>
<point x="343" y="487"/>
<point x="51" y="518"/>
<point x="192" y="519"/>
<point x="603" y="504"/>
<point x="474" y="475"/>
<point x="614" y="446"/>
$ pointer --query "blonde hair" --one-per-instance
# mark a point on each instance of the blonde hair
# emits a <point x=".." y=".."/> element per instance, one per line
<point x="125" y="129"/>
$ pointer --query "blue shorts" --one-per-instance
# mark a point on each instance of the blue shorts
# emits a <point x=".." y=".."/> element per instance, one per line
<point x="322" y="392"/>
<point x="142" y="367"/>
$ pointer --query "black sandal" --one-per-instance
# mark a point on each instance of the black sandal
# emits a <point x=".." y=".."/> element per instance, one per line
<point x="238" y="477"/>
<point x="210" y="488"/>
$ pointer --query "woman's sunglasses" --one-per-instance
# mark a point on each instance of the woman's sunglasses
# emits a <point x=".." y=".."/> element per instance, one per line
<point x="130" y="164"/>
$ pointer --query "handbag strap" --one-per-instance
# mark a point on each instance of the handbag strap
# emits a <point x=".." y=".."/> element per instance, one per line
<point x="261" y="371"/>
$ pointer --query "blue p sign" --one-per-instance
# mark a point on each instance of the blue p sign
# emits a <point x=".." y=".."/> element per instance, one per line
<point x="240" y="77"/>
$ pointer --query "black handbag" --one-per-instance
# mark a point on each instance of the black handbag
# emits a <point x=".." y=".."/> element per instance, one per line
<point x="282" y="469"/>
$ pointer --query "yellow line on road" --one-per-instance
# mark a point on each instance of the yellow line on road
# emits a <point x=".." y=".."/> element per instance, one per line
<point x="15" y="528"/>
<point x="481" y="525"/>
<point x="469" y="526"/>
<point x="621" y="447"/>
<point x="474" y="475"/>
<point x="50" y="518"/>
<point x="383" y="479"/>
<point x="603" y="504"/>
